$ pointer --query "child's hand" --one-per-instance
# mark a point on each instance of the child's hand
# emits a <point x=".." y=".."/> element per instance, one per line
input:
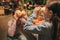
<point x="23" y="20"/>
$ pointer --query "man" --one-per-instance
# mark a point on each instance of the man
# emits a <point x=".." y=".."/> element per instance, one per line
<point x="43" y="28"/>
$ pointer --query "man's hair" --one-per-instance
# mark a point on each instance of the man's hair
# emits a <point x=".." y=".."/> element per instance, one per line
<point x="55" y="7"/>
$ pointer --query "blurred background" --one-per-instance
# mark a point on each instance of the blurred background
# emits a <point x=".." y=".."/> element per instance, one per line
<point x="7" y="8"/>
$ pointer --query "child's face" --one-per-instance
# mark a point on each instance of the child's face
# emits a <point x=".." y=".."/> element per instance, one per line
<point x="40" y="18"/>
<point x="47" y="13"/>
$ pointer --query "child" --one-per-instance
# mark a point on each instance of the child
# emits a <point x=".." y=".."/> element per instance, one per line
<point x="43" y="29"/>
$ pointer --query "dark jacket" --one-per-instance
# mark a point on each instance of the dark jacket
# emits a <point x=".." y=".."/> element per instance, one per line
<point x="44" y="30"/>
